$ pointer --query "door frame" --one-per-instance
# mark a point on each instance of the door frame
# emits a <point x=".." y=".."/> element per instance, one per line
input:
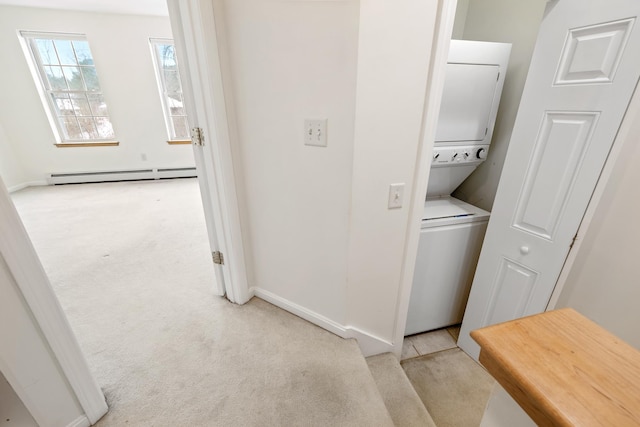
<point x="433" y="98"/>
<point x="32" y="281"/>
<point x="199" y="37"/>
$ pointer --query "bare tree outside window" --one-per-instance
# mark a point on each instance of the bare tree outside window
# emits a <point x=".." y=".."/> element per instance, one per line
<point x="170" y="88"/>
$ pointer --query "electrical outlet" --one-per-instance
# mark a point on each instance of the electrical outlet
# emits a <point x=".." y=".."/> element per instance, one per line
<point x="396" y="195"/>
<point x="315" y="132"/>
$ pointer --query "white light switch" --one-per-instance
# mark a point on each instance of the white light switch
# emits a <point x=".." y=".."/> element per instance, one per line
<point x="396" y="195"/>
<point x="315" y="132"/>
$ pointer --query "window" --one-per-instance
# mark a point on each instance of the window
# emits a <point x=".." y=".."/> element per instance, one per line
<point x="70" y="85"/>
<point x="164" y="56"/>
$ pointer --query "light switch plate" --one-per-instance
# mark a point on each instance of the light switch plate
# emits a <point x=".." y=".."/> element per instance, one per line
<point x="315" y="132"/>
<point x="396" y="195"/>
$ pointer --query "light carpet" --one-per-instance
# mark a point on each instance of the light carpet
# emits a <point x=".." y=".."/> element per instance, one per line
<point x="131" y="266"/>
<point x="452" y="386"/>
<point x="402" y="401"/>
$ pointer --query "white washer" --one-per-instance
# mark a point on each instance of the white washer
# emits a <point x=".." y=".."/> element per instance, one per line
<point x="450" y="241"/>
<point x="452" y="231"/>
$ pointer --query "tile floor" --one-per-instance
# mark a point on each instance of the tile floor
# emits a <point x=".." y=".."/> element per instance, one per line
<point x="430" y="342"/>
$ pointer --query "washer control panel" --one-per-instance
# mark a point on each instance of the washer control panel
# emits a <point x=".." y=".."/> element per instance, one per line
<point x="467" y="154"/>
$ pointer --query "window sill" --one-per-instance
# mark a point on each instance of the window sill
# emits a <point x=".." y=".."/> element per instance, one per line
<point x="89" y="144"/>
<point x="179" y="142"/>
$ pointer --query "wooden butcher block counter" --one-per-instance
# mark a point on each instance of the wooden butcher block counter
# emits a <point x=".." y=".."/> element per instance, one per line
<point x="564" y="370"/>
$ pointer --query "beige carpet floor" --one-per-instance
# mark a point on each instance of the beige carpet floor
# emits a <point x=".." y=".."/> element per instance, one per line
<point x="130" y="264"/>
<point x="402" y="401"/>
<point x="452" y="386"/>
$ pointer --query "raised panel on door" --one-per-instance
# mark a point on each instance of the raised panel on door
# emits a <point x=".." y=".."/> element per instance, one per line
<point x="558" y="154"/>
<point x="584" y="69"/>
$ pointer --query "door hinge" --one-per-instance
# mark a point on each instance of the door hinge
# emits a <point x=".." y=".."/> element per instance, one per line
<point x="573" y="241"/>
<point x="218" y="258"/>
<point x="197" y="137"/>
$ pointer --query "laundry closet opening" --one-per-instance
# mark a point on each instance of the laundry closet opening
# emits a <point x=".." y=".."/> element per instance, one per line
<point x="485" y="74"/>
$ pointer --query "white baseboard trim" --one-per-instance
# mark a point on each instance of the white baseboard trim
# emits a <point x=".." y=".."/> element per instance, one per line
<point x="306" y="314"/>
<point x="369" y="344"/>
<point x="19" y="187"/>
<point x="81" y="421"/>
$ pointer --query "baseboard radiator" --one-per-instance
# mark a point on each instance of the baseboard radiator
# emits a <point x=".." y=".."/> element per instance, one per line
<point x="123" y="175"/>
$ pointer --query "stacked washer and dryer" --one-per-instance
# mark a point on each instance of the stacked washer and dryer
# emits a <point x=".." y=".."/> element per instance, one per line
<point x="452" y="231"/>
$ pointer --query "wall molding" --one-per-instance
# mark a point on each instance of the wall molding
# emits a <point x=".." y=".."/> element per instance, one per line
<point x="82" y="421"/>
<point x="369" y="344"/>
<point x="24" y="185"/>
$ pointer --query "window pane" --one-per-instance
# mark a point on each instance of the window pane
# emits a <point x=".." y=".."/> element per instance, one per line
<point x="88" y="128"/>
<point x="105" y="128"/>
<point x="64" y="106"/>
<point x="69" y="77"/>
<point x="71" y="128"/>
<point x="55" y="78"/>
<point x="166" y="56"/>
<point x="81" y="104"/>
<point x="180" y="127"/>
<point x="175" y="104"/>
<point x="171" y="80"/>
<point x="65" y="52"/>
<point x="47" y="52"/>
<point x="98" y="106"/>
<point x="74" y="78"/>
<point x="83" y="53"/>
<point x="90" y="78"/>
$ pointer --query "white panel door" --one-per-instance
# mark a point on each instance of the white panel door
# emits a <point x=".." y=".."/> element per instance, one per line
<point x="584" y="69"/>
<point x="194" y="30"/>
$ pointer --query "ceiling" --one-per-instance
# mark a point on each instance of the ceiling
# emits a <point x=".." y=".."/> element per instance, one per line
<point x="136" y="7"/>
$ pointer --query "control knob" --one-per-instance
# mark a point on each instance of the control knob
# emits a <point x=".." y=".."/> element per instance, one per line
<point x="481" y="153"/>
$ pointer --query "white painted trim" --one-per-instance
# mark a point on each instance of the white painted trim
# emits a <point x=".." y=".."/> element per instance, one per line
<point x="197" y="30"/>
<point x="303" y="312"/>
<point x="433" y="97"/>
<point x="623" y="139"/>
<point x="25" y="266"/>
<point x="369" y="344"/>
<point x="82" y="421"/>
<point x="24" y="185"/>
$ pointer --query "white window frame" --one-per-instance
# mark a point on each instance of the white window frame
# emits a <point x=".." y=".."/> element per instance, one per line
<point x="37" y="70"/>
<point x="165" y="93"/>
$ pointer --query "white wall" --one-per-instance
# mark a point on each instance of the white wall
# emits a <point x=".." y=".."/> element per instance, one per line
<point x="394" y="54"/>
<point x="11" y="168"/>
<point x="27" y="362"/>
<point x="120" y="45"/>
<point x="462" y="10"/>
<point x="315" y="219"/>
<point x="290" y="61"/>
<point x="603" y="281"/>
<point x="509" y="21"/>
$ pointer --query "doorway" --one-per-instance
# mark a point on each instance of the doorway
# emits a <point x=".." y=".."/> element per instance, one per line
<point x="69" y="253"/>
<point x="480" y="22"/>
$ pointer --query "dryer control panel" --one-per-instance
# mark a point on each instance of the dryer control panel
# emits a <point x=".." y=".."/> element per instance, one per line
<point x="468" y="154"/>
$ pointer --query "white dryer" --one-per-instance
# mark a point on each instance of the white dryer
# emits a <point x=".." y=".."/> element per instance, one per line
<point x="452" y="231"/>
